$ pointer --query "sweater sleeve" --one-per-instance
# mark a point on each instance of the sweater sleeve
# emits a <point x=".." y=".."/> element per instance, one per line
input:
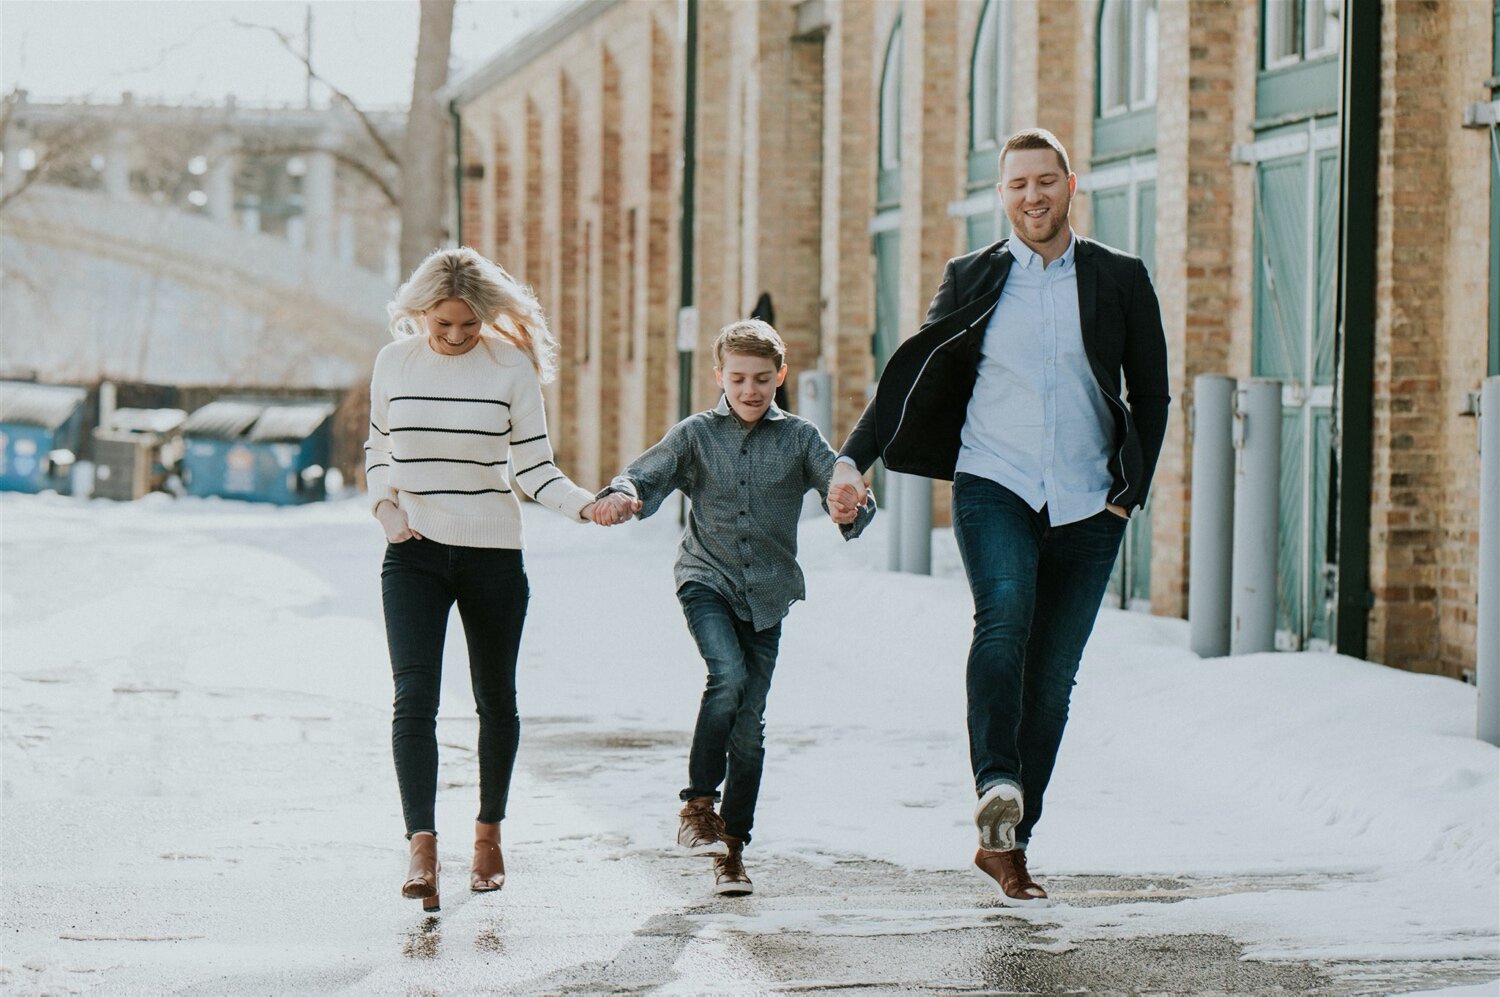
<point x="531" y="451"/>
<point x="378" y="444"/>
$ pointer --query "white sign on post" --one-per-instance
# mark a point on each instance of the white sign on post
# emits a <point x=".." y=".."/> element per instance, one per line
<point x="687" y="329"/>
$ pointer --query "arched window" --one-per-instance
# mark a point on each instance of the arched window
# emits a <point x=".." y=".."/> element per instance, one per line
<point x="1127" y="56"/>
<point x="1298" y="30"/>
<point x="989" y="80"/>
<point x="890" y="103"/>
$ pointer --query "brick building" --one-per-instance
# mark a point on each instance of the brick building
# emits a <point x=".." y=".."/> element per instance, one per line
<point x="843" y="151"/>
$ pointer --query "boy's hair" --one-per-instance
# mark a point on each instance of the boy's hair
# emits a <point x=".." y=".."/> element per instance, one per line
<point x="750" y="336"/>
<point x="1035" y="138"/>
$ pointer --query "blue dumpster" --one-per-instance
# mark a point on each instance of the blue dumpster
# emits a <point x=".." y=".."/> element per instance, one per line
<point x="258" y="451"/>
<point x="41" y="426"/>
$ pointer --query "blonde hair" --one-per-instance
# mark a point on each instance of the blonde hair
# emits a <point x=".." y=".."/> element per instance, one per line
<point x="751" y="336"/>
<point x="503" y="305"/>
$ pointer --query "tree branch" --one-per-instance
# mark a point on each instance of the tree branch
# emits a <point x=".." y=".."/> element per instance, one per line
<point x="350" y="160"/>
<point x="344" y="98"/>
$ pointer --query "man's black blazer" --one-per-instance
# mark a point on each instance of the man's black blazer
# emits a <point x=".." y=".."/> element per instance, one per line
<point x="915" y="419"/>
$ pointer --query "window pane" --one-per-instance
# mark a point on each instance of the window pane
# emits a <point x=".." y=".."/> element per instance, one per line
<point x="890" y="104"/>
<point x="983" y="120"/>
<point x="1323" y="32"/>
<point x="1143" y="68"/>
<point x="1114" y="60"/>
<point x="1283" y="31"/>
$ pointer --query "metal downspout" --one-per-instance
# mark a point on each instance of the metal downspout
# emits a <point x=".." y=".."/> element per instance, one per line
<point x="1359" y="119"/>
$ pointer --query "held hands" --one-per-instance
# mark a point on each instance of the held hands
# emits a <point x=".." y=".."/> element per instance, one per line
<point x="393" y="521"/>
<point x="846" y="493"/>
<point x="613" y="509"/>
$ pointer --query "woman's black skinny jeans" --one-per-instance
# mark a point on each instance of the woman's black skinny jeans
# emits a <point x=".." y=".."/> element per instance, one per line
<point x="420" y="582"/>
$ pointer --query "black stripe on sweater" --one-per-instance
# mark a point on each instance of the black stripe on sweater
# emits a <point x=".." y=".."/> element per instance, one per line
<point x="448" y="460"/>
<point x="374" y="466"/>
<point x="533" y="467"/>
<point x="378" y="429"/>
<point x="444" y="429"/>
<point x="440" y="398"/>
<point x="530" y="439"/>
<point x="538" y="492"/>
<point x="460" y="491"/>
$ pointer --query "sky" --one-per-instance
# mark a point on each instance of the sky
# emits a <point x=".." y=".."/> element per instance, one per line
<point x="194" y="51"/>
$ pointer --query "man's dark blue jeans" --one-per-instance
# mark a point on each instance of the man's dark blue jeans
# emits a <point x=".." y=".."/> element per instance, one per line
<point x="728" y="740"/>
<point x="420" y="582"/>
<point x="1037" y="590"/>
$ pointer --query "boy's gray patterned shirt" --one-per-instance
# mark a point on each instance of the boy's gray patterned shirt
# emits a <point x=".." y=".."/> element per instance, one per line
<point x="746" y="486"/>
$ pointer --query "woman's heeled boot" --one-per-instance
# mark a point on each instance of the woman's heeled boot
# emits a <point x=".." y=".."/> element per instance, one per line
<point x="422" y="878"/>
<point x="488" y="872"/>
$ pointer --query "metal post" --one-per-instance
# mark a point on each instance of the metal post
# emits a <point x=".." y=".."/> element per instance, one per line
<point x="1487" y="662"/>
<point x="815" y="400"/>
<point x="916" y="525"/>
<point x="1257" y="494"/>
<point x="1211" y="559"/>
<point x="894" y="501"/>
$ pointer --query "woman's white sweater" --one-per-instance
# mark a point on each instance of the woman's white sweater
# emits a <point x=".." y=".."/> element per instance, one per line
<point x="448" y="434"/>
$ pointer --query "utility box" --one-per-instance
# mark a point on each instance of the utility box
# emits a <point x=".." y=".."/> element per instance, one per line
<point x="135" y="450"/>
<point x="258" y="451"/>
<point x="41" y="427"/>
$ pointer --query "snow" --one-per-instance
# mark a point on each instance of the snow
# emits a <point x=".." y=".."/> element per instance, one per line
<point x="1322" y="807"/>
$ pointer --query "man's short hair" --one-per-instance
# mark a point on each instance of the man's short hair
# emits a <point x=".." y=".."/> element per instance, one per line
<point x="1035" y="138"/>
<point x="750" y="336"/>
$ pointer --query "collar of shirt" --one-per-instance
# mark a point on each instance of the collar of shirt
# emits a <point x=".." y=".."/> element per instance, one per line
<point x="1024" y="254"/>
<point x="772" y="412"/>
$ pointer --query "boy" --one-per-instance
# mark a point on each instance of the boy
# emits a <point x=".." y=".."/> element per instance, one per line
<point x="745" y="465"/>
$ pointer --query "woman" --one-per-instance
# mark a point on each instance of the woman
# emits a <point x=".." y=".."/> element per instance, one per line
<point x="455" y="414"/>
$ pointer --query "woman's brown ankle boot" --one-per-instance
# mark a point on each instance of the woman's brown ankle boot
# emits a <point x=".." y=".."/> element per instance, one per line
<point x="422" y="878"/>
<point x="488" y="872"/>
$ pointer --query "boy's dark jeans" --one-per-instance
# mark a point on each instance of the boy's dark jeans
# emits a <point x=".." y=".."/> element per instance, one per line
<point x="728" y="740"/>
<point x="1037" y="590"/>
<point x="420" y="581"/>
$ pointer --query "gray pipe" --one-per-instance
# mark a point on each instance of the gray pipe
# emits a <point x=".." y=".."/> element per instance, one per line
<point x="1210" y="567"/>
<point x="916" y="525"/>
<point x="1487" y="661"/>
<point x="894" y="502"/>
<point x="1257" y="499"/>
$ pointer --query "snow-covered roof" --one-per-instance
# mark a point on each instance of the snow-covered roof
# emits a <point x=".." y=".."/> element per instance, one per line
<point x="32" y="404"/>
<point x="144" y="420"/>
<point x="226" y="419"/>
<point x="290" y="422"/>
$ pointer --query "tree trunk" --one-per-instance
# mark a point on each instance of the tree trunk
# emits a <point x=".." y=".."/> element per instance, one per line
<point x="426" y="148"/>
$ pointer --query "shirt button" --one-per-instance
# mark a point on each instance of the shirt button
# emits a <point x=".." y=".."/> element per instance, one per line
<point x="747" y="564"/>
<point x="743" y="450"/>
<point x="742" y="482"/>
<point x="742" y="512"/>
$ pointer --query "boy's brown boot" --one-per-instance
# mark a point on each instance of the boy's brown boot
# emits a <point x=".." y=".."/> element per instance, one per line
<point x="730" y="878"/>
<point x="700" y="827"/>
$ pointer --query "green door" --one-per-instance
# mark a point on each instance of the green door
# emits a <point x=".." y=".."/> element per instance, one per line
<point x="1125" y="217"/>
<point x="1296" y="246"/>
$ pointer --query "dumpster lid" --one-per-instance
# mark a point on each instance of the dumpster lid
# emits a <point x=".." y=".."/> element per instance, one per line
<point x="224" y="419"/>
<point x="291" y="422"/>
<point x="32" y="404"/>
<point x="145" y="420"/>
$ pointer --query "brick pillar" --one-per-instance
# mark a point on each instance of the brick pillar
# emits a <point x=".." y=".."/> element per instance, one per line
<point x="1405" y="521"/>
<point x="501" y="247"/>
<point x="659" y="351"/>
<point x="611" y="324"/>
<point x="850" y="90"/>
<point x="1468" y="61"/>
<point x="784" y="156"/>
<point x="1194" y="278"/>
<point x="716" y="218"/>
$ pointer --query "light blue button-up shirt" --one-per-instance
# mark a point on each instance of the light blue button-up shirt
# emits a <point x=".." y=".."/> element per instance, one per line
<point x="1038" y="423"/>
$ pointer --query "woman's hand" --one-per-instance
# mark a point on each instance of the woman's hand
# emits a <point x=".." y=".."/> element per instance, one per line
<point x="393" y="520"/>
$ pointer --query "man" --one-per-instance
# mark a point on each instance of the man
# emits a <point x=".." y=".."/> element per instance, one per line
<point x="1012" y="389"/>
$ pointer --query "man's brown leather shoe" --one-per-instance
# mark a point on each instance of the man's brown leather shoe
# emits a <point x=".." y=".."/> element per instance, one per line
<point x="1008" y="870"/>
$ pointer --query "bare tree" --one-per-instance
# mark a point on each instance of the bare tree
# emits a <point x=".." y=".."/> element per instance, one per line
<point x="422" y="163"/>
<point x="61" y="148"/>
<point x="425" y="153"/>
